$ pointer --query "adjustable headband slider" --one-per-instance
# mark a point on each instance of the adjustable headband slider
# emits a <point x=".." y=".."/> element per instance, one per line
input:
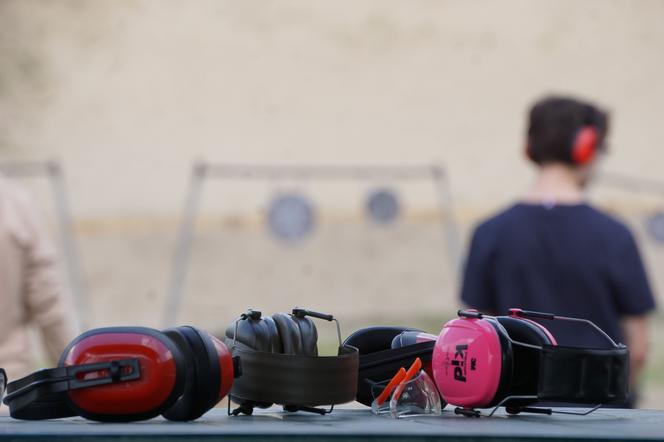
<point x="470" y="313"/>
<point x="299" y="312"/>
<point x="111" y="372"/>
<point x="519" y="313"/>
<point x="251" y="314"/>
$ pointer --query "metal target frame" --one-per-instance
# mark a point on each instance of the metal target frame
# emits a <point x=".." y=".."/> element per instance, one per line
<point x="203" y="170"/>
<point x="53" y="171"/>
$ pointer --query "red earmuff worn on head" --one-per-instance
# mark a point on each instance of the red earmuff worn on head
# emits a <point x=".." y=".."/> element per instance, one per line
<point x="584" y="145"/>
<point x="127" y="374"/>
<point x="582" y="148"/>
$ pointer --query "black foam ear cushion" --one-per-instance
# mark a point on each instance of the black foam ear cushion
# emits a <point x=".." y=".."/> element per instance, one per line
<point x="201" y="391"/>
<point x="259" y="335"/>
<point x="308" y="334"/>
<point x="526" y="360"/>
<point x="507" y="364"/>
<point x="524" y="331"/>
<point x="373" y="339"/>
<point x="289" y="333"/>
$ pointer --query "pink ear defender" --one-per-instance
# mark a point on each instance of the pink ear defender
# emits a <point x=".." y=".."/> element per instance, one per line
<point x="482" y="361"/>
<point x="470" y="359"/>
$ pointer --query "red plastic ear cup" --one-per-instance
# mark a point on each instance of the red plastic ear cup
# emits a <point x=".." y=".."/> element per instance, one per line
<point x="161" y="378"/>
<point x="203" y="376"/>
<point x="584" y="145"/>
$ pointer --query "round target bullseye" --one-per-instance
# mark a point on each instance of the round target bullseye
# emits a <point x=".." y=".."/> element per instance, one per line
<point x="290" y="217"/>
<point x="383" y="206"/>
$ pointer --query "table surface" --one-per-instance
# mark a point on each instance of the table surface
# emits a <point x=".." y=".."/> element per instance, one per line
<point x="607" y="424"/>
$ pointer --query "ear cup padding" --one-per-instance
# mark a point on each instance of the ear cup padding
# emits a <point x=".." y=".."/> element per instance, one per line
<point x="523" y="331"/>
<point x="309" y="335"/>
<point x="289" y="333"/>
<point x="373" y="339"/>
<point x="507" y="366"/>
<point x="259" y="335"/>
<point x="253" y="334"/>
<point x="526" y="360"/>
<point x="184" y="402"/>
<point x="202" y="382"/>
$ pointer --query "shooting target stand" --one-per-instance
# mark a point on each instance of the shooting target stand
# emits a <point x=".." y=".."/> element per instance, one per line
<point x="381" y="206"/>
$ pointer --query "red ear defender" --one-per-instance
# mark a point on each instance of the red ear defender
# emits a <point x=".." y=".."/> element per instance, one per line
<point x="584" y="145"/>
<point x="159" y="382"/>
<point x="129" y="373"/>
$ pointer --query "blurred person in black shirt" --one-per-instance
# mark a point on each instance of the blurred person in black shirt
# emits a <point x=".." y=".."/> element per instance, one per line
<point x="552" y="251"/>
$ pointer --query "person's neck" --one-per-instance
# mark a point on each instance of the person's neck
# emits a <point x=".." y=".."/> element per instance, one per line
<point x="555" y="184"/>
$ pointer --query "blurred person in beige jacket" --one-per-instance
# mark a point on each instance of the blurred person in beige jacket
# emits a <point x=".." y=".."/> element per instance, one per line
<point x="32" y="293"/>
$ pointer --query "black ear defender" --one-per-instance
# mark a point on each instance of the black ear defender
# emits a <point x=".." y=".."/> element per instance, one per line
<point x="383" y="350"/>
<point x="280" y="363"/>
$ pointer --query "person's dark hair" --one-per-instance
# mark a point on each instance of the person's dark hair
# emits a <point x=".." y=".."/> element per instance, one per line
<point x="554" y="122"/>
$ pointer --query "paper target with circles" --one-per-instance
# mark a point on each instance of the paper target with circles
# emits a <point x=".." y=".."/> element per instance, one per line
<point x="383" y="206"/>
<point x="290" y="217"/>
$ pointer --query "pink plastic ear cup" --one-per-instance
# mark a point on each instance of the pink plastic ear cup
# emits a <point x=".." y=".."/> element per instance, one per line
<point x="467" y="362"/>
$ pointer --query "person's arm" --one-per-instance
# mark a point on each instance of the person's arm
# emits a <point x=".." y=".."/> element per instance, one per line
<point x="47" y="302"/>
<point x="634" y="299"/>
<point x="636" y="339"/>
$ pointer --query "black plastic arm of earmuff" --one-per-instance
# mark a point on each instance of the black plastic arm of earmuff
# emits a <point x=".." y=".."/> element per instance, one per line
<point x="301" y="313"/>
<point x="531" y="314"/>
<point x="47" y="383"/>
<point x="469" y="313"/>
<point x="251" y="314"/>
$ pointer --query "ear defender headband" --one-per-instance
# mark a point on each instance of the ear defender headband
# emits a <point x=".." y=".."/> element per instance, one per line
<point x="280" y="363"/>
<point x="383" y="351"/>
<point x="125" y="374"/>
<point x="482" y="361"/>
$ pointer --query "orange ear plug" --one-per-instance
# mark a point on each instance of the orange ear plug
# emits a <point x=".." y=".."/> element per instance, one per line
<point x="396" y="380"/>
<point x="415" y="368"/>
